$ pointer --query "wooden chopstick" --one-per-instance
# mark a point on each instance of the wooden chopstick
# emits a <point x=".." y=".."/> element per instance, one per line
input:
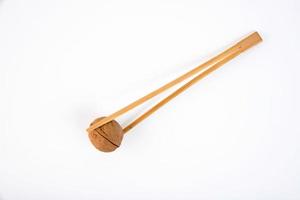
<point x="211" y="65"/>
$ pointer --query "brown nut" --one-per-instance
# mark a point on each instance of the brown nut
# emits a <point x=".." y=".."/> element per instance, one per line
<point x="107" y="137"/>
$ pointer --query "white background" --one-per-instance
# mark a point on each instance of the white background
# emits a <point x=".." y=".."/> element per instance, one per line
<point x="234" y="135"/>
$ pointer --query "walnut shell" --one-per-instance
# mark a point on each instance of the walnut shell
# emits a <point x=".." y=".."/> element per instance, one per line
<point x="107" y="137"/>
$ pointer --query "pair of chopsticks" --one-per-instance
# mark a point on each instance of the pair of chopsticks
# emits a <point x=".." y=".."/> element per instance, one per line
<point x="205" y="69"/>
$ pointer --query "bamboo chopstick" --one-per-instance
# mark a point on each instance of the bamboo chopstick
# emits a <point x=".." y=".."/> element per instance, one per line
<point x="208" y="67"/>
